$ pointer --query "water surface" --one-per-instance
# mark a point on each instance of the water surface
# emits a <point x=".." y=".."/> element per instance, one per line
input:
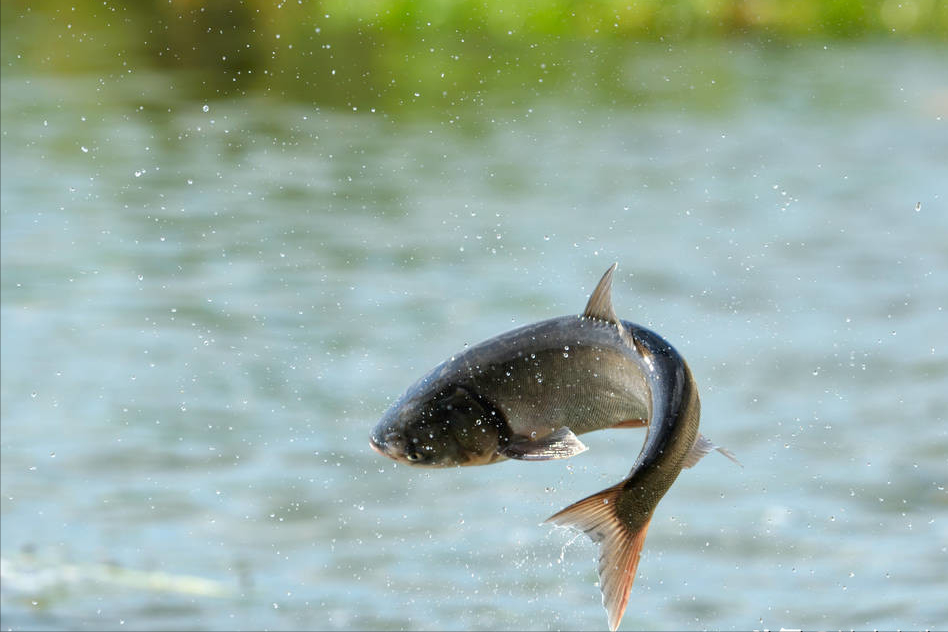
<point x="207" y="304"/>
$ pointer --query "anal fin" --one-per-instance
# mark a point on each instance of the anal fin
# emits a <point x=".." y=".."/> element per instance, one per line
<point x="702" y="446"/>
<point x="631" y="423"/>
<point x="619" y="545"/>
<point x="560" y="444"/>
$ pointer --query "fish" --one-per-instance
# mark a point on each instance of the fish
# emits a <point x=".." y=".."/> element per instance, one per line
<point x="527" y="394"/>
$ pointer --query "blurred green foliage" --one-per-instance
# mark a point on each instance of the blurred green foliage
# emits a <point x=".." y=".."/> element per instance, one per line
<point x="431" y="53"/>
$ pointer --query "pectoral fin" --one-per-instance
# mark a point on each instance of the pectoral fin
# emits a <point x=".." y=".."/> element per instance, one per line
<point x="561" y="444"/>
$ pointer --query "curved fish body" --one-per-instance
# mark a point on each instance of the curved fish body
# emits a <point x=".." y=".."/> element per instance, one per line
<point x="527" y="393"/>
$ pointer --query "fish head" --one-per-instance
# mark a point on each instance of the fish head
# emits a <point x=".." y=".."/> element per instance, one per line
<point x="440" y="426"/>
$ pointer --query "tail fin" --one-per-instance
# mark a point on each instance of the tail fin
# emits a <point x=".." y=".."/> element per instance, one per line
<point x="619" y="546"/>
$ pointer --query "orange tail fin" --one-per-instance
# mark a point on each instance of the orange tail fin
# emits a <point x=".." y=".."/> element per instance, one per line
<point x="619" y="546"/>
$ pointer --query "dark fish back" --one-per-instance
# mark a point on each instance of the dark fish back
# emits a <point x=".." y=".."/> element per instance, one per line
<point x="566" y="371"/>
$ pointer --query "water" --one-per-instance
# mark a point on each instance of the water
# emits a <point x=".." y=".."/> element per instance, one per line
<point x="207" y="304"/>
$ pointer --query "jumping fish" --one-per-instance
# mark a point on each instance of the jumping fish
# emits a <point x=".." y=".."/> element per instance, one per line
<point x="527" y="393"/>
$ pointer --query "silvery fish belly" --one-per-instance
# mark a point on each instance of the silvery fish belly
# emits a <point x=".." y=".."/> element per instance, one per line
<point x="527" y="394"/>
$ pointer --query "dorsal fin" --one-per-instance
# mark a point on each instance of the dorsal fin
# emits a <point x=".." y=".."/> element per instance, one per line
<point x="600" y="302"/>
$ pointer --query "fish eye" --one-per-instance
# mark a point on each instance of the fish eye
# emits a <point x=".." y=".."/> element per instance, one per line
<point x="413" y="455"/>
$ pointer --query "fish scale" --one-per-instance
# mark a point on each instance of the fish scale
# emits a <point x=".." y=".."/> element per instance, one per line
<point x="597" y="385"/>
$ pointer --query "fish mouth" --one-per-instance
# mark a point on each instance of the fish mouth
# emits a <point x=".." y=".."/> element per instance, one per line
<point x="377" y="446"/>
